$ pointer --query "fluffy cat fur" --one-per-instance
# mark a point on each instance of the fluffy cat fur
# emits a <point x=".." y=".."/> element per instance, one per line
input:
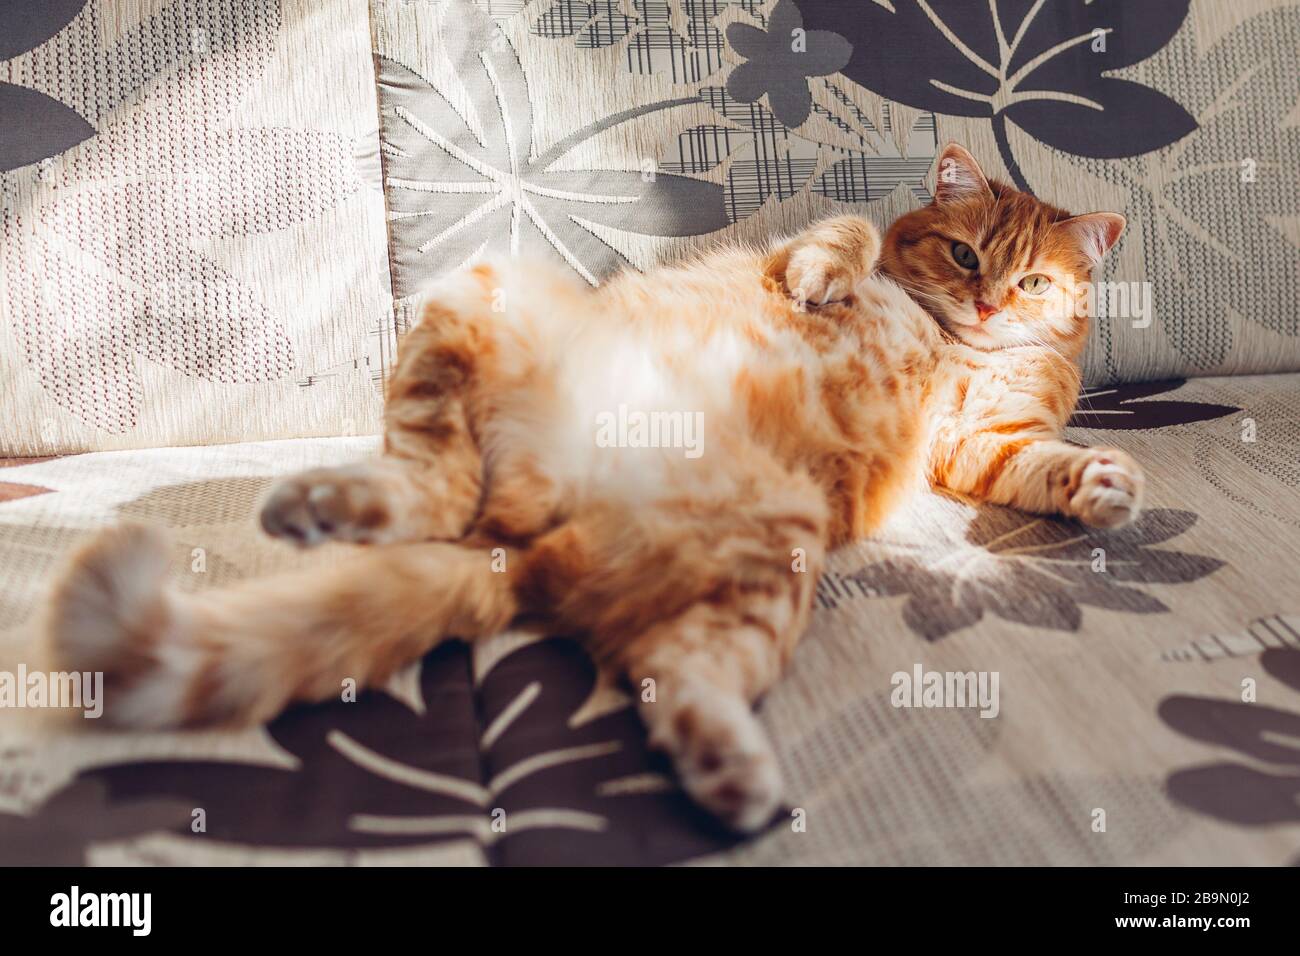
<point x="832" y="373"/>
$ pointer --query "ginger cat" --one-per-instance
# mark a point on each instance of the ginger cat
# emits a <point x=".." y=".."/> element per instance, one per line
<point x="825" y="392"/>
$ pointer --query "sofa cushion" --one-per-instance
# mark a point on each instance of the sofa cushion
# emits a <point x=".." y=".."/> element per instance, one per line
<point x="191" y="204"/>
<point x="192" y="246"/>
<point x="643" y="130"/>
<point x="1148" y="685"/>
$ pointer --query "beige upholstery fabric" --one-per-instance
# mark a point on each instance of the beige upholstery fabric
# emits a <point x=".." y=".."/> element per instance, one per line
<point x="642" y="129"/>
<point x="193" y="218"/>
<point x="1119" y="690"/>
<point x="197" y="247"/>
<point x="207" y="262"/>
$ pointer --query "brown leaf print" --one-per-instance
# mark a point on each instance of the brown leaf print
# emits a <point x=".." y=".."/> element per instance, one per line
<point x="15" y="490"/>
<point x="49" y="127"/>
<point x="1263" y="786"/>
<point x="56" y="834"/>
<point x="378" y="773"/>
<point x="1117" y="407"/>
<point x="1034" y="571"/>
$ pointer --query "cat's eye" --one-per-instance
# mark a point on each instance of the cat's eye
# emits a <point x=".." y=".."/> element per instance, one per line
<point x="1035" y="284"/>
<point x="964" y="256"/>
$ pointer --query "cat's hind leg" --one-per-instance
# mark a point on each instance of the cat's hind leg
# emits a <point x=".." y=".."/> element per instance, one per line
<point x="699" y="603"/>
<point x="696" y="677"/>
<point x="427" y="484"/>
<point x="240" y="655"/>
<point x="430" y="493"/>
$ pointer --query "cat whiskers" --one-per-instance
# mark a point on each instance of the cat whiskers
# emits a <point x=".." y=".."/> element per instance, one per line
<point x="917" y="293"/>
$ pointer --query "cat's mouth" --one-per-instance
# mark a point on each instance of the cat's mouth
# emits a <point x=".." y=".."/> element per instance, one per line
<point x="960" y="320"/>
<point x="962" y="323"/>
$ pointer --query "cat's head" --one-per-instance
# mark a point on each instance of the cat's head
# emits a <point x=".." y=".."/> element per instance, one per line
<point x="995" y="266"/>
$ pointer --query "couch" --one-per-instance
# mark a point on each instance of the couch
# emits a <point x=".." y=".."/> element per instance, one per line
<point x="221" y="216"/>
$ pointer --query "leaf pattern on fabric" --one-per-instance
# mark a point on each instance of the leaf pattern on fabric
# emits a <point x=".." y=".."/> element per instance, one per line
<point x="457" y="191"/>
<point x="36" y="126"/>
<point x="510" y="764"/>
<point x="1012" y="60"/>
<point x="1255" y="460"/>
<point x="81" y="813"/>
<point x="678" y="38"/>
<point x="780" y="59"/>
<point x="16" y="491"/>
<point x="61" y="128"/>
<point x="1262" y="787"/>
<point x="1033" y="571"/>
<point x="109" y="250"/>
<point x="765" y="160"/>
<point x="1118" y="407"/>
<point x="27" y="25"/>
<point x="595" y="24"/>
<point x="1228" y="256"/>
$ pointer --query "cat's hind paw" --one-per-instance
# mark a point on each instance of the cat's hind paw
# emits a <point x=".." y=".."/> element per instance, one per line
<point x="326" y="504"/>
<point x="1110" y="489"/>
<point x="723" y="757"/>
<point x="111" y="612"/>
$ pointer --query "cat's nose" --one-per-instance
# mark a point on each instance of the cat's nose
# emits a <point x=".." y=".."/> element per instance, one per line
<point x="984" y="310"/>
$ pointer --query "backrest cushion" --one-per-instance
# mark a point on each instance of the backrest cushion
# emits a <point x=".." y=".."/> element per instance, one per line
<point x="192" y="243"/>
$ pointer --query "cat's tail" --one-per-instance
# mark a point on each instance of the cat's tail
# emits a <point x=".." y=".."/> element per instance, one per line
<point x="240" y="655"/>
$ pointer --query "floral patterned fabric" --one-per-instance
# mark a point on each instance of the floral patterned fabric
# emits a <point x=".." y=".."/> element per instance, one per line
<point x="1148" y="673"/>
<point x="704" y="137"/>
<point x="647" y="128"/>
<point x="191" y="239"/>
<point x="217" y="216"/>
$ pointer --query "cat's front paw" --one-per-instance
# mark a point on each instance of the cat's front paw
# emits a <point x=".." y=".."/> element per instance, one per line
<point x="1109" y="490"/>
<point x="723" y="757"/>
<point x="326" y="504"/>
<point x="827" y="260"/>
<point x="815" y="276"/>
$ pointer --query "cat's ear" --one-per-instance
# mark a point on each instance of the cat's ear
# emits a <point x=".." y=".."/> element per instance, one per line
<point x="1093" y="233"/>
<point x="959" y="177"/>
